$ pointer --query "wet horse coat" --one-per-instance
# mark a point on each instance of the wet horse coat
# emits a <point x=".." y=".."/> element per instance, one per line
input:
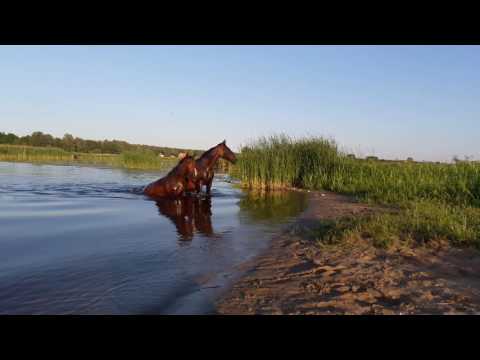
<point x="176" y="182"/>
<point x="206" y="163"/>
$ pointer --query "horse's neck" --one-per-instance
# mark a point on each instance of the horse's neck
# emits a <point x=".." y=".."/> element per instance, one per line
<point x="210" y="159"/>
<point x="180" y="170"/>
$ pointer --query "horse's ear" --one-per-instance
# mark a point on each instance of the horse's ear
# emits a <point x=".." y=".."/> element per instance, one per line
<point x="224" y="142"/>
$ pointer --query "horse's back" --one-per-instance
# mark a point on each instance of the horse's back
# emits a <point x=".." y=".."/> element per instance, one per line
<point x="165" y="187"/>
<point x="156" y="188"/>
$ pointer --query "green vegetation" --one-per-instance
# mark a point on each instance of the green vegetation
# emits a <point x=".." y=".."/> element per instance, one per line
<point x="145" y="160"/>
<point x="75" y="144"/>
<point x="415" y="223"/>
<point x="28" y="153"/>
<point x="431" y="200"/>
<point x="40" y="147"/>
<point x="130" y="160"/>
<point x="316" y="163"/>
<point x="139" y="159"/>
<point x="280" y="162"/>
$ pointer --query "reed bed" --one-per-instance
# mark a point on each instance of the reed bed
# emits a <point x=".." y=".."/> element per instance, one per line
<point x="145" y="160"/>
<point x="318" y="164"/>
<point x="141" y="159"/>
<point x="431" y="200"/>
<point x="128" y="160"/>
<point x="33" y="154"/>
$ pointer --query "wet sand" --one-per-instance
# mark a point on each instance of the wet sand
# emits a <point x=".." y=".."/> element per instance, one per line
<point x="296" y="276"/>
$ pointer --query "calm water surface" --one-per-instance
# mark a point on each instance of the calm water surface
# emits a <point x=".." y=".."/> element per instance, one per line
<point x="84" y="240"/>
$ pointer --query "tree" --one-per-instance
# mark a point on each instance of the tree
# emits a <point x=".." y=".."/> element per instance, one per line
<point x="40" y="139"/>
<point x="68" y="142"/>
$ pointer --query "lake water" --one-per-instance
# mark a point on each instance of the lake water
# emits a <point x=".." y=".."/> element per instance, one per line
<point x="84" y="240"/>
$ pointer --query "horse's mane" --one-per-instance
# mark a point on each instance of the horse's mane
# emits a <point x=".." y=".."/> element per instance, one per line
<point x="206" y="153"/>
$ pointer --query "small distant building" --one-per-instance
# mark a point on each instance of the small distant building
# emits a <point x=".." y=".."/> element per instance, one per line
<point x="161" y="155"/>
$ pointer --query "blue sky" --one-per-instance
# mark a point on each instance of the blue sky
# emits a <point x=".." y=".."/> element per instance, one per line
<point x="389" y="101"/>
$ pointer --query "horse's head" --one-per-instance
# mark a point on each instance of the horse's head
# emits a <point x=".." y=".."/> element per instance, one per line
<point x="226" y="153"/>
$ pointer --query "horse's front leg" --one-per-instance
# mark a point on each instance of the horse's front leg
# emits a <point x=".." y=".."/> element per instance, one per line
<point x="179" y="190"/>
<point x="209" y="184"/>
<point x="198" y="186"/>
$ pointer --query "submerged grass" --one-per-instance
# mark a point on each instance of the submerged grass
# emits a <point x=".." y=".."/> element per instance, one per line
<point x="432" y="200"/>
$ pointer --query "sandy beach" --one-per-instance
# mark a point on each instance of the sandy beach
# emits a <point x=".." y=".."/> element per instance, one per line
<point x="297" y="276"/>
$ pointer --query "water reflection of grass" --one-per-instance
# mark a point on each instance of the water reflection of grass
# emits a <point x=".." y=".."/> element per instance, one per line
<point x="434" y="201"/>
<point x="274" y="206"/>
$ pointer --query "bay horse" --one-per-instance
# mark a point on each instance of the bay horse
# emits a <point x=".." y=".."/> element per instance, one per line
<point x="205" y="164"/>
<point x="176" y="182"/>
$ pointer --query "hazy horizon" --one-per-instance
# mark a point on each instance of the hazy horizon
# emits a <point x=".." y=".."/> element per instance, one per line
<point x="388" y="101"/>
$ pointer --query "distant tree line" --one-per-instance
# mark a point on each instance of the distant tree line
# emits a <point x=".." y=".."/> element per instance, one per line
<point x="75" y="144"/>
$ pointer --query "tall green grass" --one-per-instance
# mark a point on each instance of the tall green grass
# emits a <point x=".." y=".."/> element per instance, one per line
<point x="430" y="200"/>
<point x="145" y="160"/>
<point x="416" y="223"/>
<point x="140" y="159"/>
<point x="29" y="153"/>
<point x="318" y="164"/>
<point x="128" y="160"/>
<point x="279" y="161"/>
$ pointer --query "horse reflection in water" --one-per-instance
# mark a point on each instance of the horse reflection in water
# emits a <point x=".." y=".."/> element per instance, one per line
<point x="190" y="214"/>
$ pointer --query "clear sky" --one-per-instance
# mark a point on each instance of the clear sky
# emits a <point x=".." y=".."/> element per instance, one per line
<point x="389" y="101"/>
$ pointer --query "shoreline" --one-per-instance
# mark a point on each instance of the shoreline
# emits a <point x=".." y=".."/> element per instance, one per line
<point x="63" y="162"/>
<point x="168" y="164"/>
<point x="296" y="276"/>
<point x="90" y="165"/>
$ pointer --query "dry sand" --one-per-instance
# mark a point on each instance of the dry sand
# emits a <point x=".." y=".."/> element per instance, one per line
<point x="295" y="276"/>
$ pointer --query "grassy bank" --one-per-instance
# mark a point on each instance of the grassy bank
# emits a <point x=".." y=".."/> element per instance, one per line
<point x="316" y="163"/>
<point x="140" y="159"/>
<point x="129" y="160"/>
<point x="431" y="201"/>
<point x="419" y="222"/>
